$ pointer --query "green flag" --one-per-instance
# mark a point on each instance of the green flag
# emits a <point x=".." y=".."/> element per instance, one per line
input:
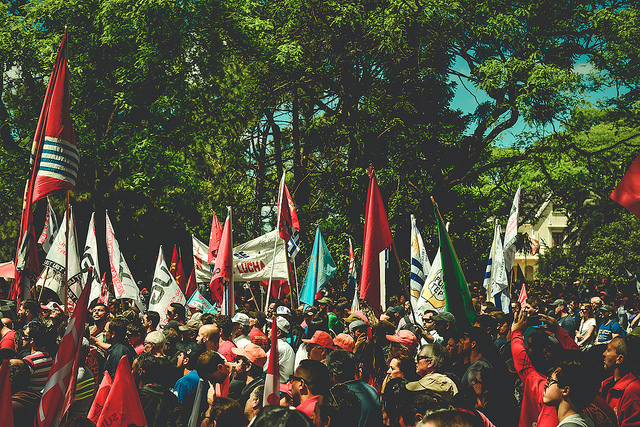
<point x="456" y="290"/>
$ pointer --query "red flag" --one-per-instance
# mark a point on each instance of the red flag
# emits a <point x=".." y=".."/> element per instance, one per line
<point x="6" y="407"/>
<point x="101" y="397"/>
<point x="174" y="261"/>
<point x="181" y="280"/>
<point x="278" y="287"/>
<point x="627" y="192"/>
<point x="287" y="216"/>
<point x="272" y="380"/>
<point x="522" y="299"/>
<point x="122" y="405"/>
<point x="377" y="236"/>
<point x="59" y="391"/>
<point x="191" y="285"/>
<point x="222" y="273"/>
<point x="214" y="239"/>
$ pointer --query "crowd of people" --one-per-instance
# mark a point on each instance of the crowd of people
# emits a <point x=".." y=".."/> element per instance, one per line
<point x="554" y="361"/>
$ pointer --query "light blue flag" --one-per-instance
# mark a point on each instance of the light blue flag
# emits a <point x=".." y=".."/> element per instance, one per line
<point x="207" y="307"/>
<point x="321" y="269"/>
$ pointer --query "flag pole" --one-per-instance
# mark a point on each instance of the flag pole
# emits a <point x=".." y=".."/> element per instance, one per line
<point x="232" y="303"/>
<point x="407" y="292"/>
<point x="275" y="244"/>
<point x="66" y="255"/>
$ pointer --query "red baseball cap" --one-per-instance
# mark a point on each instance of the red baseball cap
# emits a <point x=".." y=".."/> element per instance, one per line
<point x="321" y="338"/>
<point x="404" y="337"/>
<point x="345" y="342"/>
<point x="252" y="352"/>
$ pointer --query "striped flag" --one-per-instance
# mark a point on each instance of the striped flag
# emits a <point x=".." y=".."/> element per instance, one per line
<point x="89" y="261"/>
<point x="495" y="277"/>
<point x="272" y="380"/>
<point x="351" y="280"/>
<point x="293" y="245"/>
<point x="420" y="264"/>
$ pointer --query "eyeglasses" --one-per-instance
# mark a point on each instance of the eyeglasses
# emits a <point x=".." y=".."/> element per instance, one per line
<point x="475" y="381"/>
<point x="550" y="382"/>
<point x="419" y="358"/>
<point x="428" y="319"/>
<point x="148" y="343"/>
<point x="293" y="378"/>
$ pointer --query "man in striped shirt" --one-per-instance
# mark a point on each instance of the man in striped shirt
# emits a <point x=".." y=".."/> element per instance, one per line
<point x="38" y="360"/>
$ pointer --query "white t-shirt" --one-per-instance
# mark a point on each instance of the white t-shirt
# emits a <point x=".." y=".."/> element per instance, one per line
<point x="580" y="420"/>
<point x="584" y="330"/>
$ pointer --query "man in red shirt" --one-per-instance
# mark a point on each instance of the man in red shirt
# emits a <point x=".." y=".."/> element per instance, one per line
<point x="7" y="335"/>
<point x="622" y="389"/>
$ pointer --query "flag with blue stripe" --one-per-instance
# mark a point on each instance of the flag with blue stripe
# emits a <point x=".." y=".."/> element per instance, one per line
<point x="293" y="245"/>
<point x="320" y="271"/>
<point x="420" y="264"/>
<point x="495" y="276"/>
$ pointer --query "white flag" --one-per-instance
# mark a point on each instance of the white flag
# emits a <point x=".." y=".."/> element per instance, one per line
<point x="420" y="264"/>
<point x="165" y="290"/>
<point x="90" y="259"/>
<point x="123" y="284"/>
<point x="50" y="228"/>
<point x="495" y="278"/>
<point x="251" y="260"/>
<point x="57" y="259"/>
<point x="511" y="233"/>
<point x="432" y="296"/>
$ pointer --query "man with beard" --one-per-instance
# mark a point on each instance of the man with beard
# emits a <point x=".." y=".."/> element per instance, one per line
<point x="28" y="312"/>
<point x="100" y="316"/>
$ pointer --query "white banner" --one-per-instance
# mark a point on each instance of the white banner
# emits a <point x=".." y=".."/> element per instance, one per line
<point x="90" y="259"/>
<point x="123" y="284"/>
<point x="420" y="264"/>
<point x="511" y="233"/>
<point x="495" y="278"/>
<point x="251" y="260"/>
<point x="57" y="259"/>
<point x="165" y="290"/>
<point x="50" y="228"/>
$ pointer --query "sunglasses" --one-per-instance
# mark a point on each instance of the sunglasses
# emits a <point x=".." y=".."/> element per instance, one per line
<point x="550" y="381"/>
<point x="293" y="378"/>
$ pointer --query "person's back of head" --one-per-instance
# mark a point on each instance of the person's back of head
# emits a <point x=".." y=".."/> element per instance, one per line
<point x="582" y="385"/>
<point x="342" y="366"/>
<point x="224" y="324"/>
<point x="226" y="412"/>
<point x="340" y="408"/>
<point x="416" y="404"/>
<point x="19" y="375"/>
<point x="154" y="370"/>
<point x="316" y="376"/>
<point x="154" y="318"/>
<point x="38" y="334"/>
<point x="281" y="416"/>
<point x="179" y="310"/>
<point x="451" y="418"/>
<point x="118" y="327"/>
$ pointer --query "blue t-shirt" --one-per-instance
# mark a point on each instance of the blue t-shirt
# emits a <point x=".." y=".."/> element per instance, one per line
<point x="606" y="331"/>
<point x="186" y="386"/>
<point x="371" y="409"/>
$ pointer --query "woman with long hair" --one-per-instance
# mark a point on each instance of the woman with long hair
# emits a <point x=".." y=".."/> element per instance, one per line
<point x="587" y="330"/>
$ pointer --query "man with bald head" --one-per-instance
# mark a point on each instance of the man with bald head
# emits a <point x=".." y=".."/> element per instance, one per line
<point x="209" y="336"/>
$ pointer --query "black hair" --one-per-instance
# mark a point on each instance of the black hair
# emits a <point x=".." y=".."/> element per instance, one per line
<point x="32" y="306"/>
<point x="180" y="310"/>
<point x="395" y="392"/>
<point x="154" y="371"/>
<point x="20" y="376"/>
<point x="208" y="363"/>
<point x="38" y="333"/>
<point x="342" y="406"/>
<point x="342" y="365"/>
<point x="154" y="318"/>
<point x="227" y="413"/>
<point x="583" y="386"/>
<point x="207" y="319"/>
<point x="315" y="374"/>
<point x="418" y="403"/>
<point x="453" y="417"/>
<point x="224" y="324"/>
<point x="281" y="416"/>
<point x="118" y="327"/>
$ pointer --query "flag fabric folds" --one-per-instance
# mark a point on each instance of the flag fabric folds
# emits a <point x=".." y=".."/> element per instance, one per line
<point x="214" y="239"/>
<point x="293" y="245"/>
<point x="100" y="398"/>
<point x="287" y="216"/>
<point x="627" y="192"/>
<point x="164" y="290"/>
<point x="174" y="261"/>
<point x="495" y="277"/>
<point x="89" y="262"/>
<point x="192" y="286"/>
<point x="511" y="233"/>
<point x="6" y="407"/>
<point x="456" y="290"/>
<point x="122" y="406"/>
<point x="50" y="228"/>
<point x="59" y="391"/>
<point x="522" y="298"/>
<point x="377" y="237"/>
<point x="352" y="278"/>
<point x="420" y="265"/>
<point x="123" y="284"/>
<point x="222" y="280"/>
<point x="180" y="277"/>
<point x="207" y="307"/>
<point x="272" y="380"/>
<point x="432" y="294"/>
<point x="321" y="269"/>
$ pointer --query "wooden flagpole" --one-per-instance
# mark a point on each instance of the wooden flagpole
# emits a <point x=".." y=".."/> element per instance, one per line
<point x="66" y="255"/>
<point x="404" y="282"/>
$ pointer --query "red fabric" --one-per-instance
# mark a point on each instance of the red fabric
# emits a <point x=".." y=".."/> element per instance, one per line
<point x="279" y="288"/>
<point x="8" y="270"/>
<point x="522" y="299"/>
<point x="272" y="381"/>
<point x="224" y="264"/>
<point x="8" y="340"/>
<point x="308" y="406"/>
<point x="191" y="285"/>
<point x="122" y="406"/>
<point x="214" y="239"/>
<point x="59" y="391"/>
<point x="288" y="218"/>
<point x="174" y="261"/>
<point x="377" y="236"/>
<point x="627" y="192"/>
<point x="101" y="397"/>
<point x="624" y="399"/>
<point x="181" y="279"/>
<point x="6" y="407"/>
